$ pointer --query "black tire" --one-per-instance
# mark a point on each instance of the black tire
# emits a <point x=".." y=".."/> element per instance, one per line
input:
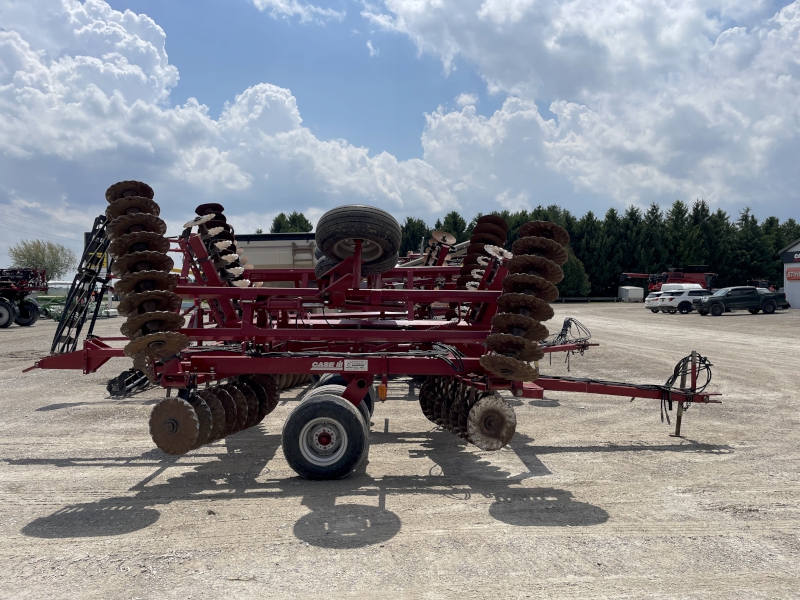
<point x="673" y="311"/>
<point x="337" y="389"/>
<point x="380" y="267"/>
<point x="338" y="227"/>
<point x="29" y="312"/>
<point x="753" y="311"/>
<point x="323" y="265"/>
<point x="309" y="422"/>
<point x="684" y="308"/>
<point x="654" y="310"/>
<point x="336" y="379"/>
<point x="717" y="310"/>
<point x="702" y="313"/>
<point x="768" y="308"/>
<point x="8" y="313"/>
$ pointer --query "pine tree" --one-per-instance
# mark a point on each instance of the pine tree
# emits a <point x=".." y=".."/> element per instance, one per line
<point x="414" y="233"/>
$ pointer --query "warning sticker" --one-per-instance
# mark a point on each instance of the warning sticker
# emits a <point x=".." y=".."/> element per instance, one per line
<point x="356" y="365"/>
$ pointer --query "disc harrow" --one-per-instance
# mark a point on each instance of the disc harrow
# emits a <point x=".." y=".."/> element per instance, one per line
<point x="467" y="329"/>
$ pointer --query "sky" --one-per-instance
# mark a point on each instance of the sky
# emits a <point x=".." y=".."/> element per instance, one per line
<point x="417" y="106"/>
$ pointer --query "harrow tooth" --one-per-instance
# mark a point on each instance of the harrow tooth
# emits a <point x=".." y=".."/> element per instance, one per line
<point x="241" y="406"/>
<point x="135" y="223"/>
<point x="217" y="414"/>
<point x="146" y="281"/>
<point x="539" y="246"/>
<point x="136" y="262"/>
<point x="519" y="283"/>
<point x="204" y="418"/>
<point x="132" y="205"/>
<point x="514" y="347"/>
<point x="151" y="322"/>
<point x="127" y="189"/>
<point x="138" y="242"/>
<point x="523" y="327"/>
<point x="509" y="368"/>
<point x="174" y="426"/>
<point x="536" y="265"/>
<point x="229" y="405"/>
<point x="498" y="252"/>
<point x="157" y="345"/>
<point x="252" y="403"/>
<point x="492" y="423"/>
<point x="527" y="306"/>
<point x="149" y="302"/>
<point x="545" y="229"/>
<point x="443" y="237"/>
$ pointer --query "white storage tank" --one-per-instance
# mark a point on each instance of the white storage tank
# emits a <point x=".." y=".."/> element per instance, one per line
<point x="630" y="293"/>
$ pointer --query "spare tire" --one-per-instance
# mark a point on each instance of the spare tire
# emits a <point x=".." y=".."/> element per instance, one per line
<point x="338" y="229"/>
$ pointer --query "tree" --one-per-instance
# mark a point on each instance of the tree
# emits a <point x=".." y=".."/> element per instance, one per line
<point x="259" y="231"/>
<point x="677" y="225"/>
<point x="414" y="233"/>
<point x="576" y="281"/>
<point x="587" y="249"/>
<point x="454" y="223"/>
<point x="651" y="255"/>
<point x="56" y="259"/>
<point x="294" y="223"/>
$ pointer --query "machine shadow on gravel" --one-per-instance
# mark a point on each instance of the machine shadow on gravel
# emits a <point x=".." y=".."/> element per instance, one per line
<point x="460" y="473"/>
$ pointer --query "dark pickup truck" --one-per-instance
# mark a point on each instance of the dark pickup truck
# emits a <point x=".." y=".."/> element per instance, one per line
<point x="747" y="298"/>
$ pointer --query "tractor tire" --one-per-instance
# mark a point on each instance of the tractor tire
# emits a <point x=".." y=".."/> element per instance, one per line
<point x="8" y="313"/>
<point x="717" y="310"/>
<point x="684" y="308"/>
<point x="338" y="228"/>
<point x="324" y="438"/>
<point x="29" y="312"/>
<point x="768" y="308"/>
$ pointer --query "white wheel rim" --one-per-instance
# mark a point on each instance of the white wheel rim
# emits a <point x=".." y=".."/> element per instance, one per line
<point x="323" y="441"/>
<point x="369" y="249"/>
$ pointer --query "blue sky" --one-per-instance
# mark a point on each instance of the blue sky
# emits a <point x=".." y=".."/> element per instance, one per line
<point x="468" y="105"/>
<point x="223" y="47"/>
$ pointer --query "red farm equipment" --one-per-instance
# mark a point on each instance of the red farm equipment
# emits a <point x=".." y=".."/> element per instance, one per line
<point x="16" y="285"/>
<point x="468" y="332"/>
<point x="690" y="274"/>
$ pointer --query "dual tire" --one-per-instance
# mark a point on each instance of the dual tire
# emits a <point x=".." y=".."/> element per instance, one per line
<point x="25" y="313"/>
<point x="339" y="228"/>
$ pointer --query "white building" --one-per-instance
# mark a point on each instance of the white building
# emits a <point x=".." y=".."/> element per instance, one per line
<point x="791" y="273"/>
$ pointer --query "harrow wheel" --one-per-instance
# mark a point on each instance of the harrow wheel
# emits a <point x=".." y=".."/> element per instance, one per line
<point x="513" y="346"/>
<point x="230" y="410"/>
<point x="146" y="261"/>
<point x="425" y="397"/>
<point x="146" y="281"/>
<point x="134" y="223"/>
<point x="160" y="300"/>
<point x="157" y="345"/>
<point x="324" y="438"/>
<point x="270" y="387"/>
<point x="527" y="306"/>
<point x="204" y="418"/>
<point x="545" y="229"/>
<point x="241" y="407"/>
<point x="536" y="265"/>
<point x="152" y="322"/>
<point x="509" y="368"/>
<point x="492" y="423"/>
<point x="174" y="426"/>
<point x="252" y="403"/>
<point x="126" y="189"/>
<point x="217" y="414"/>
<point x="524" y="327"/>
<point x="138" y="242"/>
<point x="132" y="205"/>
<point x="519" y="283"/>
<point x="543" y="247"/>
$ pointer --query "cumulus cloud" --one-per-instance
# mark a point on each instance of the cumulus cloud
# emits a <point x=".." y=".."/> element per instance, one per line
<point x="293" y="8"/>
<point x="372" y="50"/>
<point x="84" y="102"/>
<point x="648" y="99"/>
<point x="466" y="99"/>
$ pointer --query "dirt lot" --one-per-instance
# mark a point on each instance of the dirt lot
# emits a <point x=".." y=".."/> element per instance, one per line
<point x="592" y="498"/>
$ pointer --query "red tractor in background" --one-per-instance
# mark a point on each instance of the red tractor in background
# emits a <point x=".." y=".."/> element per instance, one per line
<point x="690" y="274"/>
<point x="15" y="286"/>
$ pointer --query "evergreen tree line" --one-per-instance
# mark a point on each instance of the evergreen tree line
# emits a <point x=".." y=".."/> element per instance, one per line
<point x="650" y="241"/>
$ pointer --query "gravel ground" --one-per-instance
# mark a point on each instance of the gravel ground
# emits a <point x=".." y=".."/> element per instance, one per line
<point x="591" y="499"/>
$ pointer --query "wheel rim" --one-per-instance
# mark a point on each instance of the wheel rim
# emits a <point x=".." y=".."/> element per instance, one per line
<point x="369" y="249"/>
<point x="323" y="441"/>
<point x="5" y="314"/>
